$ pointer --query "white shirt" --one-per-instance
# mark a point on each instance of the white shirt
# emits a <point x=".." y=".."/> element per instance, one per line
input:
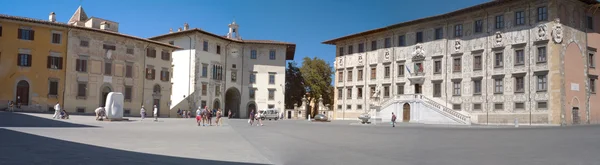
<point x="57" y="107"/>
<point x="99" y="109"/>
<point x="143" y="110"/>
<point x="198" y="112"/>
<point x="155" y="110"/>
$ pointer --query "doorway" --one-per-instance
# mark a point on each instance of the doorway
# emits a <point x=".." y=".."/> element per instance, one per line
<point x="22" y="96"/>
<point x="232" y="102"/>
<point x="576" y="118"/>
<point x="289" y="114"/>
<point x="104" y="93"/>
<point x="417" y="88"/>
<point x="406" y="113"/>
<point x="251" y="106"/>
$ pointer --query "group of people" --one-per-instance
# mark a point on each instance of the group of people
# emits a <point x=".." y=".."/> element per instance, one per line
<point x="255" y="116"/>
<point x="143" y="113"/>
<point x="184" y="113"/>
<point x="60" y="113"/>
<point x="204" y="117"/>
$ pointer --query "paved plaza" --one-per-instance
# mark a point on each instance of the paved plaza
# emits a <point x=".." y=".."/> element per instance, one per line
<point x="38" y="139"/>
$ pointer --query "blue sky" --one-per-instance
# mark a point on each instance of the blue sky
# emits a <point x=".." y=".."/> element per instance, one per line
<point x="304" y="22"/>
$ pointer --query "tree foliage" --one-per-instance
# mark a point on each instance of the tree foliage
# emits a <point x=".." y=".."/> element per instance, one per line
<point x="317" y="73"/>
<point x="294" y="86"/>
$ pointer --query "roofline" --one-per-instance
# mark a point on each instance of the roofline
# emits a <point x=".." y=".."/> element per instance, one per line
<point x="59" y="24"/>
<point x="290" y="50"/>
<point x="435" y="17"/>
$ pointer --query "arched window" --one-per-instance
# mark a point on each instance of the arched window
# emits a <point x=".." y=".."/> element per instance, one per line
<point x="156" y="89"/>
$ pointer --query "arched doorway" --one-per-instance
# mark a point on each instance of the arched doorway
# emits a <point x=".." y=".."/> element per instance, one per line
<point x="406" y="112"/>
<point x="216" y="104"/>
<point x="156" y="98"/>
<point x="232" y="102"/>
<point x="575" y="113"/>
<point x="22" y="95"/>
<point x="251" y="106"/>
<point x="104" y="90"/>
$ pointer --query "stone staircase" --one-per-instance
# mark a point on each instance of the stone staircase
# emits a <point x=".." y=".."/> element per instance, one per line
<point x="433" y="104"/>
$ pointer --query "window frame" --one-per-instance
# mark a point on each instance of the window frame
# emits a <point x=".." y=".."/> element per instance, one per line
<point x="498" y="85"/>
<point x="542" y="83"/>
<point x="478" y="26"/>
<point x="542" y="54"/>
<point x="456" y="89"/>
<point x="458" y="30"/>
<point x="457" y="64"/>
<point x="499" y="22"/>
<point x="520" y="18"/>
<point x="519" y="60"/>
<point x="439" y="33"/>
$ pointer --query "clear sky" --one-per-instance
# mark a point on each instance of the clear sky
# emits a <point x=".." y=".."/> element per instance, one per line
<point x="304" y="22"/>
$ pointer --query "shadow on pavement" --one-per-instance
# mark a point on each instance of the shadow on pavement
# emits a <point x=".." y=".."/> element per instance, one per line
<point x="23" y="148"/>
<point x="11" y="119"/>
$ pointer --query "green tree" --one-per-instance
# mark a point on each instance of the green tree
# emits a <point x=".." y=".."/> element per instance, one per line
<point x="316" y="74"/>
<point x="294" y="86"/>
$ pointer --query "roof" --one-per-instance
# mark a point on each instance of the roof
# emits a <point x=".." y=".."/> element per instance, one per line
<point x="436" y="17"/>
<point x="59" y="24"/>
<point x="79" y="15"/>
<point x="289" y="55"/>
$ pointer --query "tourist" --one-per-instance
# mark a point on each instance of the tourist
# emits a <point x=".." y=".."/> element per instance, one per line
<point x="219" y="122"/>
<point x="142" y="112"/>
<point x="99" y="113"/>
<point x="188" y="114"/>
<point x="56" y="111"/>
<point x="179" y="113"/>
<point x="229" y="114"/>
<point x="155" y="113"/>
<point x="209" y="117"/>
<point x="11" y="106"/>
<point x="204" y="115"/>
<point x="259" y="119"/>
<point x="251" y="116"/>
<point x="393" y="119"/>
<point x="198" y="116"/>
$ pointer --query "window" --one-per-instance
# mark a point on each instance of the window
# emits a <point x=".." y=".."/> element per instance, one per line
<point x="478" y="26"/>
<point x="589" y="19"/>
<point x="359" y="92"/>
<point x="386" y="91"/>
<point x="498" y="83"/>
<point x="341" y="51"/>
<point x="456" y="65"/>
<point x="591" y="60"/>
<point x="541" y="54"/>
<point x="341" y="76"/>
<point x="519" y="105"/>
<point x="372" y="91"/>
<point x="476" y="87"/>
<point x="271" y="94"/>
<point x="129" y="71"/>
<point x="204" y="70"/>
<point x="251" y="93"/>
<point x="387" y="71"/>
<point x="0" y="30"/>
<point x="81" y="65"/>
<point x="271" y="106"/>
<point x="128" y="92"/>
<point x="373" y="45"/>
<point x="233" y="76"/>
<point x="477" y="106"/>
<point x="26" y="34"/>
<point x="477" y="62"/>
<point x="83" y="43"/>
<point x="53" y="88"/>
<point x="56" y="38"/>
<point x="542" y="105"/>
<point x="349" y="93"/>
<point x="437" y="89"/>
<point x="419" y="38"/>
<point x="456" y="91"/>
<point x="272" y="55"/>
<point x="171" y="42"/>
<point x="204" y="89"/>
<point x="129" y="50"/>
<point x="498" y="106"/>
<point x="252" y="78"/>
<point x="217" y="90"/>
<point x="499" y="22"/>
<point x="402" y="40"/>
<point x="439" y="33"/>
<point x="205" y="46"/>
<point x="80" y="110"/>
<point x="400" y="90"/>
<point x="350" y="49"/>
<point x="520" y="18"/>
<point x="112" y="47"/>
<point x="151" y="52"/>
<point x="498" y="62"/>
<point x="519" y="84"/>
<point x="164" y="75"/>
<point x="339" y="107"/>
<point x="542" y="13"/>
<point x="349" y="76"/>
<point x="127" y="111"/>
<point x="401" y="70"/>
<point x="359" y="106"/>
<point x="54" y="62"/>
<point x="419" y="68"/>
<point x="360" y="74"/>
<point x="458" y="30"/>
<point x="164" y="55"/>
<point x="437" y="67"/>
<point x="340" y="93"/>
<point x="217" y="72"/>
<point x="107" y="68"/>
<point x="456" y="107"/>
<point x="388" y="42"/>
<point x="150" y="73"/>
<point x="24" y="60"/>
<point x="361" y="47"/>
<point x="252" y="54"/>
<point x="592" y="85"/>
<point x="348" y="107"/>
<point x="519" y="57"/>
<point x="271" y="78"/>
<point x="203" y="103"/>
<point x="541" y="84"/>
<point x="218" y="49"/>
<point x="373" y="73"/>
<point x="81" y="89"/>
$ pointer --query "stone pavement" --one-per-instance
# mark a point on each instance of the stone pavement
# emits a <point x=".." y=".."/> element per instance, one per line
<point x="36" y="139"/>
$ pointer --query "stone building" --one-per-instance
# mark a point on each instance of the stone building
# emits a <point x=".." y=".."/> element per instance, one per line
<point x="493" y="63"/>
<point x="102" y="60"/>
<point x="227" y="71"/>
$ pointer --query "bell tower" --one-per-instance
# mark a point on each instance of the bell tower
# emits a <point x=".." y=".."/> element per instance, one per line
<point x="233" y="31"/>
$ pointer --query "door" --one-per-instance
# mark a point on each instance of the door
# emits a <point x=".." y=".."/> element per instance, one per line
<point x="417" y="88"/>
<point x="576" y="115"/>
<point x="289" y="116"/>
<point x="22" y="92"/>
<point x="105" y="90"/>
<point x="406" y="112"/>
<point x="157" y="103"/>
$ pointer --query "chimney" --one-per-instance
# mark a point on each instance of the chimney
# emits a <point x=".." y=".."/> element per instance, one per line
<point x="52" y="17"/>
<point x="170" y="30"/>
<point x="186" y="26"/>
<point x="104" y="25"/>
<point x="178" y="29"/>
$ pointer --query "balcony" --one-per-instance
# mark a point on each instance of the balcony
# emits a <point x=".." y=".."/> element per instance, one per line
<point x="417" y="77"/>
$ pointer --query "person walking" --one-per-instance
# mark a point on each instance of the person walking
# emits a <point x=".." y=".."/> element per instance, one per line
<point x="11" y="106"/>
<point x="219" y="121"/>
<point x="204" y="115"/>
<point x="56" y="111"/>
<point x="251" y="120"/>
<point x="198" y="116"/>
<point x="229" y="114"/>
<point x="143" y="112"/>
<point x="209" y="117"/>
<point x="393" y="119"/>
<point x="155" y="113"/>
<point x="258" y="118"/>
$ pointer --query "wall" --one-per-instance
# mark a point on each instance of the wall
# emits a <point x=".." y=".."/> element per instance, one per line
<point x="593" y="40"/>
<point x="164" y="96"/>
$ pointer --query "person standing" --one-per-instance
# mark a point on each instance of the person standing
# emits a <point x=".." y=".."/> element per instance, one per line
<point x="56" y="111"/>
<point x="251" y="120"/>
<point x="393" y="119"/>
<point x="155" y="113"/>
<point x="229" y="114"/>
<point x="143" y="112"/>
<point x="258" y="118"/>
<point x="11" y="106"/>
<point x="198" y="115"/>
<point x="219" y="122"/>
